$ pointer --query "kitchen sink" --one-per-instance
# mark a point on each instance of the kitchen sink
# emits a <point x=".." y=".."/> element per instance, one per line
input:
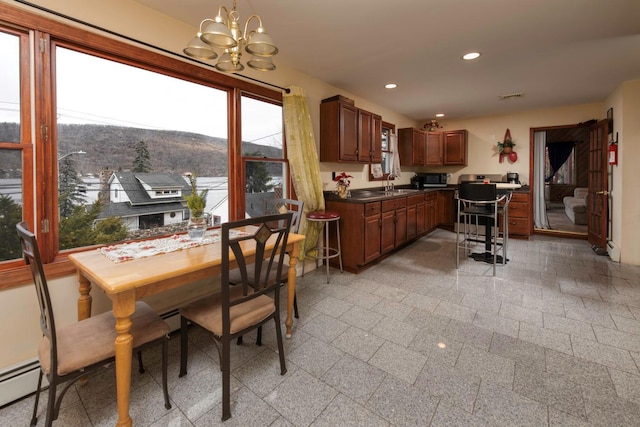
<point x="400" y="191"/>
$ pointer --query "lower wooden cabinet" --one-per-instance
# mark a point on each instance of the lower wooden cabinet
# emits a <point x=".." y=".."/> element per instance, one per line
<point x="371" y="230"/>
<point x="519" y="215"/>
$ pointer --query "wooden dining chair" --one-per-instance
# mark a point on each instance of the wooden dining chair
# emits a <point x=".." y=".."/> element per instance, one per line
<point x="244" y="306"/>
<point x="69" y="352"/>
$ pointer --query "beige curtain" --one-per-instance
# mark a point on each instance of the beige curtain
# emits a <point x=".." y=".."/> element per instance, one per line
<point x="303" y="161"/>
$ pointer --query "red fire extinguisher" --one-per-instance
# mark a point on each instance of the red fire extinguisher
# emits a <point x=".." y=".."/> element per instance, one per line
<point x="613" y="154"/>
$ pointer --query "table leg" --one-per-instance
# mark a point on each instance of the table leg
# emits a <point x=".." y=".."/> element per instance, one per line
<point x="84" y="300"/>
<point x="291" y="287"/>
<point x="123" y="308"/>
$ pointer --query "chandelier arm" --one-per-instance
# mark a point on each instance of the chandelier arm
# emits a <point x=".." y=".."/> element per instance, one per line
<point x="227" y="15"/>
<point x="246" y="25"/>
<point x="202" y="23"/>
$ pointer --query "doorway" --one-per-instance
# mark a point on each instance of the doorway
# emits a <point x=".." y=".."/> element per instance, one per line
<point x="562" y="167"/>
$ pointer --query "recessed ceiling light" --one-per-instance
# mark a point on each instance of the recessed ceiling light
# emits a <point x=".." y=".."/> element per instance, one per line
<point x="391" y="85"/>
<point x="440" y="115"/>
<point x="471" y="55"/>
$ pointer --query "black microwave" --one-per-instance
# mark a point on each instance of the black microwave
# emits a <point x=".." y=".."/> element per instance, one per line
<point x="432" y="179"/>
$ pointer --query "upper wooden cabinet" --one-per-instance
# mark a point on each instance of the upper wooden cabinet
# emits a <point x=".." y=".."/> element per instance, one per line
<point x="349" y="134"/>
<point x="412" y="146"/>
<point x="420" y="148"/>
<point x="455" y="148"/>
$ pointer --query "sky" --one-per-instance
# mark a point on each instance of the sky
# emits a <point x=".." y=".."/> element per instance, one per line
<point x="103" y="96"/>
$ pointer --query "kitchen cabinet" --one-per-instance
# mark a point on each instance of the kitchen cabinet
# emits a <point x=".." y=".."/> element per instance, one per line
<point x="446" y="209"/>
<point x="455" y="148"/>
<point x="415" y="216"/>
<point x="447" y="148"/>
<point x="349" y="134"/>
<point x="369" y="137"/>
<point x="412" y="146"/>
<point x="519" y="215"/>
<point x="430" y="211"/>
<point x="434" y="148"/>
<point x="372" y="226"/>
<point x="394" y="224"/>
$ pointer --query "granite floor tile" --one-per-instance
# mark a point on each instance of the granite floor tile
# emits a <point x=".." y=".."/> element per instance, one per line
<point x="454" y="388"/>
<point x="402" y="404"/>
<point x="467" y="333"/>
<point x="584" y="372"/>
<point x="315" y="356"/>
<point x="562" y="419"/>
<point x="358" y="343"/>
<point x="343" y="411"/>
<point x="626" y="324"/>
<point x="361" y="318"/>
<point x="455" y="311"/>
<point x="421" y="302"/>
<point x="324" y="327"/>
<point x="332" y="306"/>
<point x="501" y="325"/>
<point x="594" y="317"/>
<point x="262" y="373"/>
<point x="301" y="398"/>
<point x="482" y="304"/>
<point x="427" y="321"/>
<point x="546" y="306"/>
<point x="627" y="385"/>
<point x="491" y="367"/>
<point x="363" y="299"/>
<point x="354" y="378"/>
<point x="247" y="409"/>
<point x="617" y="338"/>
<point x="392" y="309"/>
<point x="569" y="326"/>
<point x="518" y="350"/>
<point x="521" y="314"/>
<point x="451" y="416"/>
<point x="548" y="338"/>
<point x="395" y="331"/>
<point x="607" y="355"/>
<point x="391" y="293"/>
<point x="498" y="405"/>
<point x="398" y="361"/>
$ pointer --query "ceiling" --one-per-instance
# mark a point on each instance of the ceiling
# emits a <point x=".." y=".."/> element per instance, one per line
<point x="554" y="52"/>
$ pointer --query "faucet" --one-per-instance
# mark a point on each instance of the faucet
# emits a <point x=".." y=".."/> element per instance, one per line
<point x="389" y="186"/>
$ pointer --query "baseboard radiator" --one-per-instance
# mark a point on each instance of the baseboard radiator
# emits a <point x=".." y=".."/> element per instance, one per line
<point x="21" y="380"/>
<point x="614" y="251"/>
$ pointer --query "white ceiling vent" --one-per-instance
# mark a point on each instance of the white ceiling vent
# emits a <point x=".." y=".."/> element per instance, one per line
<point x="512" y="95"/>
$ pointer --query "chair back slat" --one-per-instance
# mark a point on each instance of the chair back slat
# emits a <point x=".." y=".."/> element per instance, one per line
<point x="280" y="205"/>
<point x="31" y="255"/>
<point x="268" y="244"/>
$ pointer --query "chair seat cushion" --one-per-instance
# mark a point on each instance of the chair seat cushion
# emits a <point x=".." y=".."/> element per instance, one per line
<point x="323" y="215"/>
<point x="92" y="340"/>
<point x="207" y="312"/>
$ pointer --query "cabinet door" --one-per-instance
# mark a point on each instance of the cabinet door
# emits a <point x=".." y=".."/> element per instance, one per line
<point x="401" y="226"/>
<point x="434" y="142"/>
<point x="446" y="208"/>
<point x="412" y="222"/>
<point x="421" y="225"/>
<point x="365" y="133"/>
<point x="387" y="238"/>
<point x="376" y="139"/>
<point x="348" y="133"/>
<point x="371" y="237"/>
<point x="419" y="148"/>
<point x="455" y="148"/>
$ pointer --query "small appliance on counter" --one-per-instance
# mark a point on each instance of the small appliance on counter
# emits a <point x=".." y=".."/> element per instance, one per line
<point x="429" y="180"/>
<point x="513" y="178"/>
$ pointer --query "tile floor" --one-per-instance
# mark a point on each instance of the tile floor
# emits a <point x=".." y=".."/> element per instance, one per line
<point x="553" y="340"/>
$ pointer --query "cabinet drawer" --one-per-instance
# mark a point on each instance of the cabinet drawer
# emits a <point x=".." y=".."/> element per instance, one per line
<point x="518" y="226"/>
<point x="518" y="210"/>
<point x="520" y="198"/>
<point x="371" y="208"/>
<point x="414" y="200"/>
<point x="389" y="205"/>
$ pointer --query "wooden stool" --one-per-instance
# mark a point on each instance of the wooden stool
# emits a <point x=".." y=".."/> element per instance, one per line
<point x="324" y="251"/>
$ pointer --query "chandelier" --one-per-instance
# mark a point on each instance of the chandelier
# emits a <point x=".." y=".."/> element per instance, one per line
<point x="224" y="33"/>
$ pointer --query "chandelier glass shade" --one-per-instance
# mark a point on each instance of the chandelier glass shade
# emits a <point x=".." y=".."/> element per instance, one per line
<point x="223" y="33"/>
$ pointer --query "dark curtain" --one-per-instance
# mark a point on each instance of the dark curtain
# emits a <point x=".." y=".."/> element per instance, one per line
<point x="559" y="152"/>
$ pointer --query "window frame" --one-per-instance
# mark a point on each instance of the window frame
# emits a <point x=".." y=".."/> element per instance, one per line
<point x="43" y="35"/>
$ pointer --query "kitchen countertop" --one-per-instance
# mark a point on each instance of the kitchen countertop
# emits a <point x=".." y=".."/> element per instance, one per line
<point x="363" y="195"/>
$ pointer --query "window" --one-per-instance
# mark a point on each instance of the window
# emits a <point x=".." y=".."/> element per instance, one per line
<point x="263" y="153"/>
<point x="387" y="130"/>
<point x="118" y="130"/>
<point x="16" y="169"/>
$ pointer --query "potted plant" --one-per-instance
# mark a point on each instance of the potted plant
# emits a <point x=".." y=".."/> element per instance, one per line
<point x="196" y="202"/>
<point x="506" y="146"/>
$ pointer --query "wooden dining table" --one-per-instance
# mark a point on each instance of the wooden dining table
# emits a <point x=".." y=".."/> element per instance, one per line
<point x="126" y="282"/>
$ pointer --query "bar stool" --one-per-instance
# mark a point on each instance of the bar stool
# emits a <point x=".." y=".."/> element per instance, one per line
<point x="324" y="251"/>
